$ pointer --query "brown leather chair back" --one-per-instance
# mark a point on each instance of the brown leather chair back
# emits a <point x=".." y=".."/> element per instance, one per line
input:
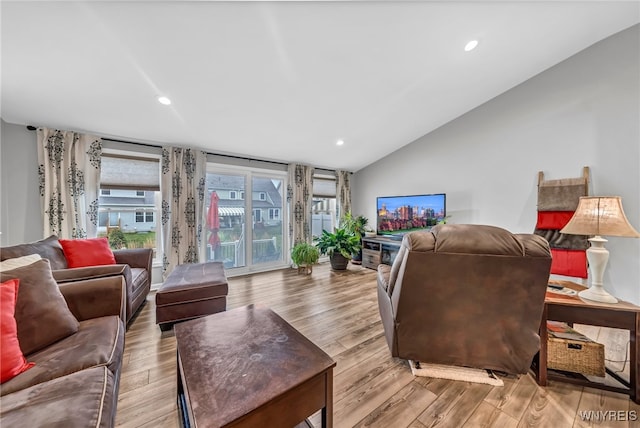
<point x="466" y="295"/>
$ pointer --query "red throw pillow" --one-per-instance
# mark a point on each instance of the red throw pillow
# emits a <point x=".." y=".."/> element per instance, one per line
<point x="87" y="252"/>
<point x="12" y="361"/>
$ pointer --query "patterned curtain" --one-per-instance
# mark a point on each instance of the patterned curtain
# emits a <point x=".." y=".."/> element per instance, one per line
<point x="300" y="201"/>
<point x="343" y="193"/>
<point x="69" y="176"/>
<point x="183" y="188"/>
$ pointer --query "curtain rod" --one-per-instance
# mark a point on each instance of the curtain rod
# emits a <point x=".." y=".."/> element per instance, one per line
<point x="33" y="128"/>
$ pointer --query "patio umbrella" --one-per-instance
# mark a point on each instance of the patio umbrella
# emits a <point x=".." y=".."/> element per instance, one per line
<point x="213" y="221"/>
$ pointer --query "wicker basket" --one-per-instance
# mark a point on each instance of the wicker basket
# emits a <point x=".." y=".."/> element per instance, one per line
<point x="577" y="354"/>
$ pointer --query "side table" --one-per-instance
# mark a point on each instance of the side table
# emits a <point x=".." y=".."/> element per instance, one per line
<point x="573" y="309"/>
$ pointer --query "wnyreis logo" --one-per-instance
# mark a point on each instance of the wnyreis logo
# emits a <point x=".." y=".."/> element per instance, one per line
<point x="608" y="415"/>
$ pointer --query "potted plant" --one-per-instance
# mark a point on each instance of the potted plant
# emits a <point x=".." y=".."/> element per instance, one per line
<point x="339" y="246"/>
<point x="304" y="256"/>
<point x="358" y="226"/>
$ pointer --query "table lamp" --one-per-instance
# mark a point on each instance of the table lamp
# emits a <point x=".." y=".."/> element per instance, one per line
<point x="595" y="216"/>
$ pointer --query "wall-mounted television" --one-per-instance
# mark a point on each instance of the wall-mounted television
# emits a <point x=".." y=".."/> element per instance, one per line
<point x="398" y="215"/>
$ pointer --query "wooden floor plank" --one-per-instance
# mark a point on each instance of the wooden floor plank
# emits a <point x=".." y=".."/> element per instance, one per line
<point x="400" y="409"/>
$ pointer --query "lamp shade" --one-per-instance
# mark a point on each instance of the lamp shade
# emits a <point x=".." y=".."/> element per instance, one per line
<point x="600" y="216"/>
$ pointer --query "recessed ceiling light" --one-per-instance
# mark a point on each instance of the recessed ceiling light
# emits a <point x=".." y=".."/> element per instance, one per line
<point x="164" y="100"/>
<point x="339" y="142"/>
<point x="471" y="45"/>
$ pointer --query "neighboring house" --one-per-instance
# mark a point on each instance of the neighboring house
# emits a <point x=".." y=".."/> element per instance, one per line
<point x="265" y="197"/>
<point x="131" y="210"/>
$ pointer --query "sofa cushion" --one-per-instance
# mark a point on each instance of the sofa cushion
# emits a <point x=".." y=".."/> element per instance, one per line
<point x="87" y="252"/>
<point x="98" y="342"/>
<point x="10" y="264"/>
<point x="48" y="248"/>
<point x="12" y="361"/>
<point x="82" y="399"/>
<point x="42" y="314"/>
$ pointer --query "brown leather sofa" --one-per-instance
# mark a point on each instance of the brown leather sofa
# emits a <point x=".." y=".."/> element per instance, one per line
<point x="133" y="264"/>
<point x="75" y="380"/>
<point x="466" y="295"/>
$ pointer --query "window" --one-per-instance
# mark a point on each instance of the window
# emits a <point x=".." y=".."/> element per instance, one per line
<point x="257" y="216"/>
<point x="242" y="195"/>
<point x="144" y="217"/>
<point x="233" y="194"/>
<point x="323" y="212"/>
<point x="129" y="198"/>
<point x="262" y="196"/>
<point x="274" y="214"/>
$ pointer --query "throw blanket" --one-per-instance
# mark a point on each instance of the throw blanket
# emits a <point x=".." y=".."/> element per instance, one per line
<point x="557" y="201"/>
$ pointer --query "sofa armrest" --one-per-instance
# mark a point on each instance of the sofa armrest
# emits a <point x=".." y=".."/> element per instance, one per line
<point x="135" y="257"/>
<point x="89" y="272"/>
<point x="93" y="298"/>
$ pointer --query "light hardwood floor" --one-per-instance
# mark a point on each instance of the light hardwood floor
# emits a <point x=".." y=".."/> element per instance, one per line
<point x="338" y="312"/>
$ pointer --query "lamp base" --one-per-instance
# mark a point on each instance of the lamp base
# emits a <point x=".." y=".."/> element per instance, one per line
<point x="597" y="294"/>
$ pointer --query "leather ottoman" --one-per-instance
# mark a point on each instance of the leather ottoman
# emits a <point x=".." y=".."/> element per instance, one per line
<point x="191" y="291"/>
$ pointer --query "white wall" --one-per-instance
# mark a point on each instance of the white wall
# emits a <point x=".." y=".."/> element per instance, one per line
<point x="20" y="218"/>
<point x="584" y="111"/>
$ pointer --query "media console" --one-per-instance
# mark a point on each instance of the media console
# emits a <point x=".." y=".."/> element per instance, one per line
<point x="379" y="250"/>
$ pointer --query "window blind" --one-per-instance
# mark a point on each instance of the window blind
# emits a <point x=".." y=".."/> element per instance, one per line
<point x="129" y="173"/>
<point x="324" y="187"/>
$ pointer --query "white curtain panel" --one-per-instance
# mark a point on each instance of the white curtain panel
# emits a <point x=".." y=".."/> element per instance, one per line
<point x="343" y="193"/>
<point x="300" y="203"/>
<point x="183" y="189"/>
<point x="69" y="176"/>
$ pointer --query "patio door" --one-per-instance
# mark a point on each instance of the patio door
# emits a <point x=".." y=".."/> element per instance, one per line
<point x="245" y="218"/>
<point x="267" y="220"/>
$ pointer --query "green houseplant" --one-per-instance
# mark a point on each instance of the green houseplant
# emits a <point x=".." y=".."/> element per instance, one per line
<point x="358" y="226"/>
<point x="304" y="256"/>
<point x="339" y="246"/>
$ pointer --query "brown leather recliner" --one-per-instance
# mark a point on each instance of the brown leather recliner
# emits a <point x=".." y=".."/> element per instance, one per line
<point x="133" y="264"/>
<point x="466" y="295"/>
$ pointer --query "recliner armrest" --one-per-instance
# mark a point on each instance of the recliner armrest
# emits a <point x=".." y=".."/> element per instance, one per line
<point x="94" y="298"/>
<point x="384" y="272"/>
<point x="89" y="272"/>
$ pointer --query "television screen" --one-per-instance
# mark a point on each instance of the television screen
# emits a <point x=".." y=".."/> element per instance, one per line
<point x="398" y="215"/>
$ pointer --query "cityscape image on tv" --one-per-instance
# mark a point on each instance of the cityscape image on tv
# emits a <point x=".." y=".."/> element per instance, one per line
<point x="402" y="214"/>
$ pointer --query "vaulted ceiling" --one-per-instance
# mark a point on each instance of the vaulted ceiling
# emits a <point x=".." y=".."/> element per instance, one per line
<point x="281" y="80"/>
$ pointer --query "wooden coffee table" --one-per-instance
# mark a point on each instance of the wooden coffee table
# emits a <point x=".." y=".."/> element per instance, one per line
<point x="248" y="367"/>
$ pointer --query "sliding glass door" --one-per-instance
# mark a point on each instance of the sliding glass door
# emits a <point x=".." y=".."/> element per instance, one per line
<point x="225" y="215"/>
<point x="267" y="222"/>
<point x="245" y="219"/>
